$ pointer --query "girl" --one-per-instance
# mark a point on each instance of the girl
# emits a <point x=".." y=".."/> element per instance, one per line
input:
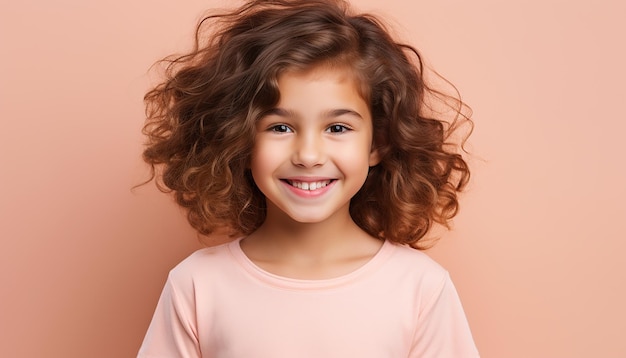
<point x="302" y="130"/>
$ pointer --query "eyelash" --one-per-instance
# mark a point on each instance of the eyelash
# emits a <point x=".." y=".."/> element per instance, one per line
<point x="283" y="128"/>
<point x="333" y="128"/>
<point x="342" y="128"/>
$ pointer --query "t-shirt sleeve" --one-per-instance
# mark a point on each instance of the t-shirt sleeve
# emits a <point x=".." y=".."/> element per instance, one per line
<point x="173" y="330"/>
<point x="442" y="330"/>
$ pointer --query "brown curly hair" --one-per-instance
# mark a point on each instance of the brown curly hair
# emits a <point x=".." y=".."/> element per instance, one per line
<point x="201" y="118"/>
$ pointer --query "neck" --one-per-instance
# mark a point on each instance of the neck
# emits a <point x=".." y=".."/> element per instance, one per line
<point x="280" y="236"/>
<point x="325" y="249"/>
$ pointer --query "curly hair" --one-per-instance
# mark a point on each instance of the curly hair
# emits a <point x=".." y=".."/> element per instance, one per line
<point x="201" y="118"/>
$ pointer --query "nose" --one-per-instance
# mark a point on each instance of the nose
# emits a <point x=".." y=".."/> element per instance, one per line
<point x="308" y="151"/>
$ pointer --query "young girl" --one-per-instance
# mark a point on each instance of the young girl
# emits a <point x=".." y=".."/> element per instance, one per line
<point x="302" y="130"/>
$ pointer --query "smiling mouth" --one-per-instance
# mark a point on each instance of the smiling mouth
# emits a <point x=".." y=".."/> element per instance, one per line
<point x="309" y="185"/>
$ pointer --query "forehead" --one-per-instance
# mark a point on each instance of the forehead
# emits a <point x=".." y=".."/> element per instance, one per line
<point x="343" y="74"/>
<point x="320" y="93"/>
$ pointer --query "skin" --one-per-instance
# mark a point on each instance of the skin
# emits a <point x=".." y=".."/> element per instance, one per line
<point x="319" y="136"/>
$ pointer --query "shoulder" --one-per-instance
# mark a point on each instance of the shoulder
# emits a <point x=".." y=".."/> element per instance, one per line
<point x="202" y="264"/>
<point x="412" y="260"/>
<point x="415" y="271"/>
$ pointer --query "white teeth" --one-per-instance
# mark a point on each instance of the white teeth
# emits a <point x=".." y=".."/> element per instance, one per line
<point x="309" y="185"/>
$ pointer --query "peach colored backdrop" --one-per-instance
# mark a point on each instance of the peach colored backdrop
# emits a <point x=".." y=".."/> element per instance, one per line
<point x="537" y="253"/>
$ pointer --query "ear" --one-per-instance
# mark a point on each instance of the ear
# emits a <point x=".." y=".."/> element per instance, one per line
<point x="374" y="158"/>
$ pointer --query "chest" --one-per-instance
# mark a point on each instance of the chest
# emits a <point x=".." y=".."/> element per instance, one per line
<point x="270" y="322"/>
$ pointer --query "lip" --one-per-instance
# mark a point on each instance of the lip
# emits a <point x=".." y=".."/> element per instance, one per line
<point x="308" y="178"/>
<point x="305" y="193"/>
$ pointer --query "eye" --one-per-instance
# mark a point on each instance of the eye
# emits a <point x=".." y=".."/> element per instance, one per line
<point x="280" y="128"/>
<point x="337" y="128"/>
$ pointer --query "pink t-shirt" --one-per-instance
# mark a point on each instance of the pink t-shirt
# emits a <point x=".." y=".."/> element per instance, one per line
<point x="218" y="303"/>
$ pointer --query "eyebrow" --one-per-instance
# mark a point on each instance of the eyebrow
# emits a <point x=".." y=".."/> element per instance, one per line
<point x="282" y="112"/>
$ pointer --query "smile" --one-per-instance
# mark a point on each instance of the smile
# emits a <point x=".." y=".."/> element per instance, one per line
<point x="309" y="185"/>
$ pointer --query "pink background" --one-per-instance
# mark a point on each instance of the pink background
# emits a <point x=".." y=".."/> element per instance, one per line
<point x="537" y="251"/>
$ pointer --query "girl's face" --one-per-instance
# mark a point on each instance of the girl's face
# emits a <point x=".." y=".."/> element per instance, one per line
<point x="313" y="151"/>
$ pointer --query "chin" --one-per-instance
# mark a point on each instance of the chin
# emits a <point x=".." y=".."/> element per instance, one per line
<point x="308" y="219"/>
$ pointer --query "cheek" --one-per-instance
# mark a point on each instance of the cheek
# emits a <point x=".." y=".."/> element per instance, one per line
<point x="360" y="150"/>
<point x="263" y="159"/>
<point x="257" y="163"/>
<point x="356" y="160"/>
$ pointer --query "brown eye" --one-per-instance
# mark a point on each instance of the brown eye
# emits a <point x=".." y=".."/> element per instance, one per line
<point x="280" y="128"/>
<point x="337" y="128"/>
